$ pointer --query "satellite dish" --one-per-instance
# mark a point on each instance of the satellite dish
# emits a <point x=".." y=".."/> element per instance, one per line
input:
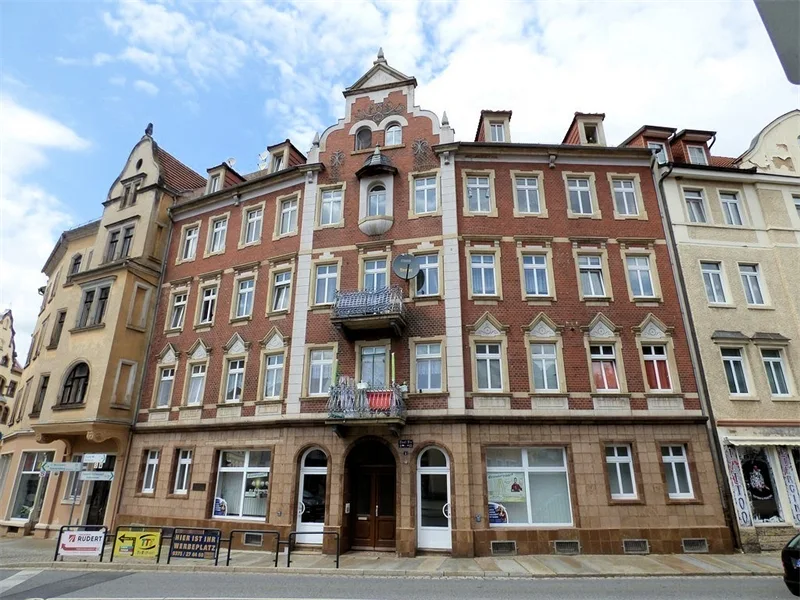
<point x="231" y="161"/>
<point x="405" y="266"/>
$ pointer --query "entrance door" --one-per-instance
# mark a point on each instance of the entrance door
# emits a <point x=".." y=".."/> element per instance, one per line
<point x="372" y="522"/>
<point x="433" y="500"/>
<point x="98" y="497"/>
<point x="311" y="497"/>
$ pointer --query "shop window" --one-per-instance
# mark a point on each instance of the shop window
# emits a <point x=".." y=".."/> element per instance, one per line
<point x="242" y="484"/>
<point x="28" y="482"/>
<point x="760" y="483"/>
<point x="528" y="486"/>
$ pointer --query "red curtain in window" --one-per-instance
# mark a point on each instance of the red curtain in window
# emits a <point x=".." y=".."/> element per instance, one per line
<point x="607" y="367"/>
<point x="662" y="381"/>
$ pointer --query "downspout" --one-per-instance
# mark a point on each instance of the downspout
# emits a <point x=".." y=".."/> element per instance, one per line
<point x="713" y="141"/>
<point x="161" y="277"/>
<point x="694" y="350"/>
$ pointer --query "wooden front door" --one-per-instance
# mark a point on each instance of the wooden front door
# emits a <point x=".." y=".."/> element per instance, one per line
<point x="373" y="508"/>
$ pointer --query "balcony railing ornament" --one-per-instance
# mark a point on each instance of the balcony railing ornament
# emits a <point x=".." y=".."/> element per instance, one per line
<point x="366" y="303"/>
<point x="350" y="400"/>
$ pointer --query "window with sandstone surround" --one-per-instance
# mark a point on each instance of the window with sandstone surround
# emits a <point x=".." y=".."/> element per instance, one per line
<point x="326" y="282"/>
<point x="242" y="485"/>
<point x="197" y="384"/>
<point x="281" y="286"/>
<point x="372" y="363"/>
<point x="775" y="368"/>
<point x="428" y="366"/>
<point x="218" y="230"/>
<point x="166" y="378"/>
<point x="661" y="151"/>
<point x="190" y="235"/>
<point x="330" y="206"/>
<point x="676" y="470"/>
<point x="150" y="471"/>
<point x="640" y="276"/>
<point x="427" y="283"/>
<point x="178" y="310"/>
<point x="363" y="138"/>
<point x="234" y="380"/>
<point x="245" y="291"/>
<point x="621" y="477"/>
<point x="752" y="285"/>
<point x="581" y="192"/>
<point x="253" y="223"/>
<point x="591" y="275"/>
<point x="695" y="206"/>
<point x="497" y="131"/>
<point x="319" y="372"/>
<point x="273" y="375"/>
<point x="731" y="208"/>
<point x="735" y="367"/>
<point x="208" y="305"/>
<point x="479" y="193"/>
<point x="713" y="282"/>
<point x="184" y="466"/>
<point x="528" y="486"/>
<point x="604" y="367"/>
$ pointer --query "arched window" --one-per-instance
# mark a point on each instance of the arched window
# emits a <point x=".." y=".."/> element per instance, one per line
<point x="4" y="361"/>
<point x="3" y="415"/>
<point x="315" y="458"/>
<point x="433" y="457"/>
<point x="376" y="203"/>
<point x="363" y="138"/>
<point x="76" y="264"/>
<point x="2" y="385"/>
<point x="74" y="390"/>
<point x="394" y="135"/>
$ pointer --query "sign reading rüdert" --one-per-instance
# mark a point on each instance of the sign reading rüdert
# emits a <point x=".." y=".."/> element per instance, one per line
<point x="194" y="543"/>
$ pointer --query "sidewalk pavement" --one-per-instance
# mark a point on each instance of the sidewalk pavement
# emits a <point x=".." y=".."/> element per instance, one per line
<point x="26" y="553"/>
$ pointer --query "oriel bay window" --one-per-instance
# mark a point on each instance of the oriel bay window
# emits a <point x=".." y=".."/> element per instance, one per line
<point x="242" y="484"/>
<point x="528" y="486"/>
<point x="376" y="201"/>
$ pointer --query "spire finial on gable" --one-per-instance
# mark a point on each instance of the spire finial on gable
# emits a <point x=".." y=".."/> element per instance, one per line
<point x="445" y="120"/>
<point x="380" y="58"/>
<point x="316" y="139"/>
<point x="148" y="131"/>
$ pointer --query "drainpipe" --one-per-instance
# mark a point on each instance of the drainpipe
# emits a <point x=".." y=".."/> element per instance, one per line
<point x="713" y="141"/>
<point x="694" y="351"/>
<point x="161" y="277"/>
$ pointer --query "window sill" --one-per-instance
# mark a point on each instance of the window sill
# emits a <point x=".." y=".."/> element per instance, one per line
<point x="413" y="215"/>
<point x="760" y="307"/>
<point x="321" y="308"/>
<point x="428" y="394"/>
<point x="136" y="328"/>
<point x="277" y="313"/>
<point x="87" y="328"/>
<point x="157" y="409"/>
<point x="59" y="407"/>
<point x="264" y="401"/>
<point x="339" y="225"/>
<point x="549" y="393"/>
<point x="664" y="394"/>
<point x="581" y="216"/>
<point x="539" y="300"/>
<point x="247" y="245"/>
<point x="317" y="397"/>
<point x="51" y="347"/>
<point x="217" y="253"/>
<point x="785" y="399"/>
<point x="119" y="406"/>
<point x="597" y="301"/>
<point x="203" y="327"/>
<point x="683" y="500"/>
<point x="606" y="394"/>
<point x="489" y="394"/>
<point x="281" y="236"/>
<point x="185" y="260"/>
<point x="190" y="407"/>
<point x="173" y="331"/>
<point x="521" y="215"/>
<point x="744" y="399"/>
<point x="242" y="319"/>
<point x="425" y="300"/>
<point x="226" y="404"/>
<point x="716" y="305"/>
<point x="178" y="496"/>
<point x="491" y="214"/>
<point x="626" y="501"/>
<point x="647" y="300"/>
<point x="34" y="415"/>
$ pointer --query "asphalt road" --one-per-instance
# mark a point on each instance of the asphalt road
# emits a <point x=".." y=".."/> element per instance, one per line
<point x="36" y="584"/>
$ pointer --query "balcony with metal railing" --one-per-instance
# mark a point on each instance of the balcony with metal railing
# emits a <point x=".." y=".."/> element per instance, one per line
<point x="352" y="403"/>
<point x="358" y="310"/>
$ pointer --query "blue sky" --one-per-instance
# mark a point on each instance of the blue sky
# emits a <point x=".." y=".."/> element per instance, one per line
<point x="80" y="80"/>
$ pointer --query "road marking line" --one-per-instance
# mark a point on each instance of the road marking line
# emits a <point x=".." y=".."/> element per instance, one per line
<point x="17" y="578"/>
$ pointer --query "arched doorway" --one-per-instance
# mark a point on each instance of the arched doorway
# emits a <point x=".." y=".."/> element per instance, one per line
<point x="311" y="496"/>
<point x="433" y="500"/>
<point x="371" y="500"/>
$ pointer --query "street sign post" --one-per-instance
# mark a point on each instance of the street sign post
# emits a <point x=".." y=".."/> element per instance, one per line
<point x="97" y="459"/>
<point x="96" y="476"/>
<point x="54" y="467"/>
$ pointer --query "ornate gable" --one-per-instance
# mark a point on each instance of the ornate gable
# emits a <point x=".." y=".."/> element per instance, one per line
<point x="236" y="345"/>
<point x="274" y="340"/>
<point x="542" y="327"/>
<point x="652" y="328"/>
<point x="169" y="355"/>
<point x="601" y="327"/>
<point x="488" y="326"/>
<point x="380" y="75"/>
<point x="199" y="351"/>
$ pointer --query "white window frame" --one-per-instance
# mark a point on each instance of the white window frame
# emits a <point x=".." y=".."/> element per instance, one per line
<point x="273" y="375"/>
<point x="393" y="135"/>
<point x="218" y="233"/>
<point x="661" y="155"/>
<point x="244" y="470"/>
<point x="711" y="272"/>
<point x="254" y="223"/>
<point x="234" y="373"/>
<point x="615" y="464"/>
<point x="317" y="360"/>
<point x="752" y="284"/>
<point x="428" y="352"/>
<point x="328" y="280"/>
<point x="190" y="238"/>
<point x="576" y="185"/>
<point x="695" y="206"/>
<point x="626" y="189"/>
<point x="73" y="481"/>
<point x="497" y="131"/>
<point x="165" y="374"/>
<point x="488" y="272"/>
<point x="184" y="456"/>
<point x="693" y="157"/>
<point x="541" y="360"/>
<point x="430" y="269"/>
<point x="636" y="273"/>
<point x="245" y="297"/>
<point x="211" y="298"/>
<point x="213" y="185"/>
<point x="670" y="461"/>
<point x="150" y="471"/>
<point x="535" y="262"/>
<point x="587" y="265"/>
<point x="281" y="291"/>
<point x="196" y="372"/>
<point x="377" y="196"/>
<point x="179" y="304"/>
<point x="772" y="365"/>
<point x="528" y="191"/>
<point x="731" y="207"/>
<point x="374" y="271"/>
<point x="287" y="222"/>
<point x="479" y="187"/>
<point x="604" y="357"/>
<point x="332" y="198"/>
<point x="486" y="356"/>
<point x="734" y="360"/>
<point x="652" y="356"/>
<point x="525" y="469"/>
<point x="367" y="354"/>
<point x="425" y="184"/>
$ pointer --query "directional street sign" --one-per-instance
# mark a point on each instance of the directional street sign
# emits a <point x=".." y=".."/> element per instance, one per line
<point x="97" y="459"/>
<point x="96" y="475"/>
<point x="54" y="467"/>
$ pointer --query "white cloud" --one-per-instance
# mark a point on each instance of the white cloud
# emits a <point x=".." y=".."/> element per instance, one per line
<point x="146" y="87"/>
<point x="147" y="61"/>
<point x="30" y="217"/>
<point x="117" y="80"/>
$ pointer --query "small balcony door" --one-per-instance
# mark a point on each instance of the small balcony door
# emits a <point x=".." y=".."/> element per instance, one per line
<point x="311" y="496"/>
<point x="433" y="501"/>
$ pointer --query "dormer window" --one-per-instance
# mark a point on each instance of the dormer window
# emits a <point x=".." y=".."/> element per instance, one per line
<point x="277" y="162"/>
<point x="394" y="135"/>
<point x="363" y="138"/>
<point x="697" y="155"/>
<point x="590" y="133"/>
<point x="376" y="205"/>
<point x="497" y="131"/>
<point x="214" y="185"/>
<point x="661" y="151"/>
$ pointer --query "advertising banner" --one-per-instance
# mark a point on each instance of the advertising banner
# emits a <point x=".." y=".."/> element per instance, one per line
<point x="81" y="542"/>
<point x="507" y="487"/>
<point x="137" y="544"/>
<point x="194" y="543"/>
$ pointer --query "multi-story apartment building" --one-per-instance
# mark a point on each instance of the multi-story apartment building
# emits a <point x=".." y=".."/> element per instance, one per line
<point x="531" y="384"/>
<point x="736" y="224"/>
<point x="10" y="370"/>
<point x="83" y="371"/>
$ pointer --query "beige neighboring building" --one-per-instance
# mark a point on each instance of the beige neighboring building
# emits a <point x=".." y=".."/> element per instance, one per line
<point x="10" y="373"/>
<point x="83" y="371"/>
<point x="736" y="223"/>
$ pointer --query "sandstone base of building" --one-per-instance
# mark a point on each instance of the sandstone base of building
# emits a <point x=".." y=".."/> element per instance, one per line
<point x="599" y="523"/>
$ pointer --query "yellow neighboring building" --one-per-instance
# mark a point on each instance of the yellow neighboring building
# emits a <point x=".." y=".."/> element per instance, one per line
<point x="10" y="373"/>
<point x="83" y="372"/>
<point x="736" y="223"/>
